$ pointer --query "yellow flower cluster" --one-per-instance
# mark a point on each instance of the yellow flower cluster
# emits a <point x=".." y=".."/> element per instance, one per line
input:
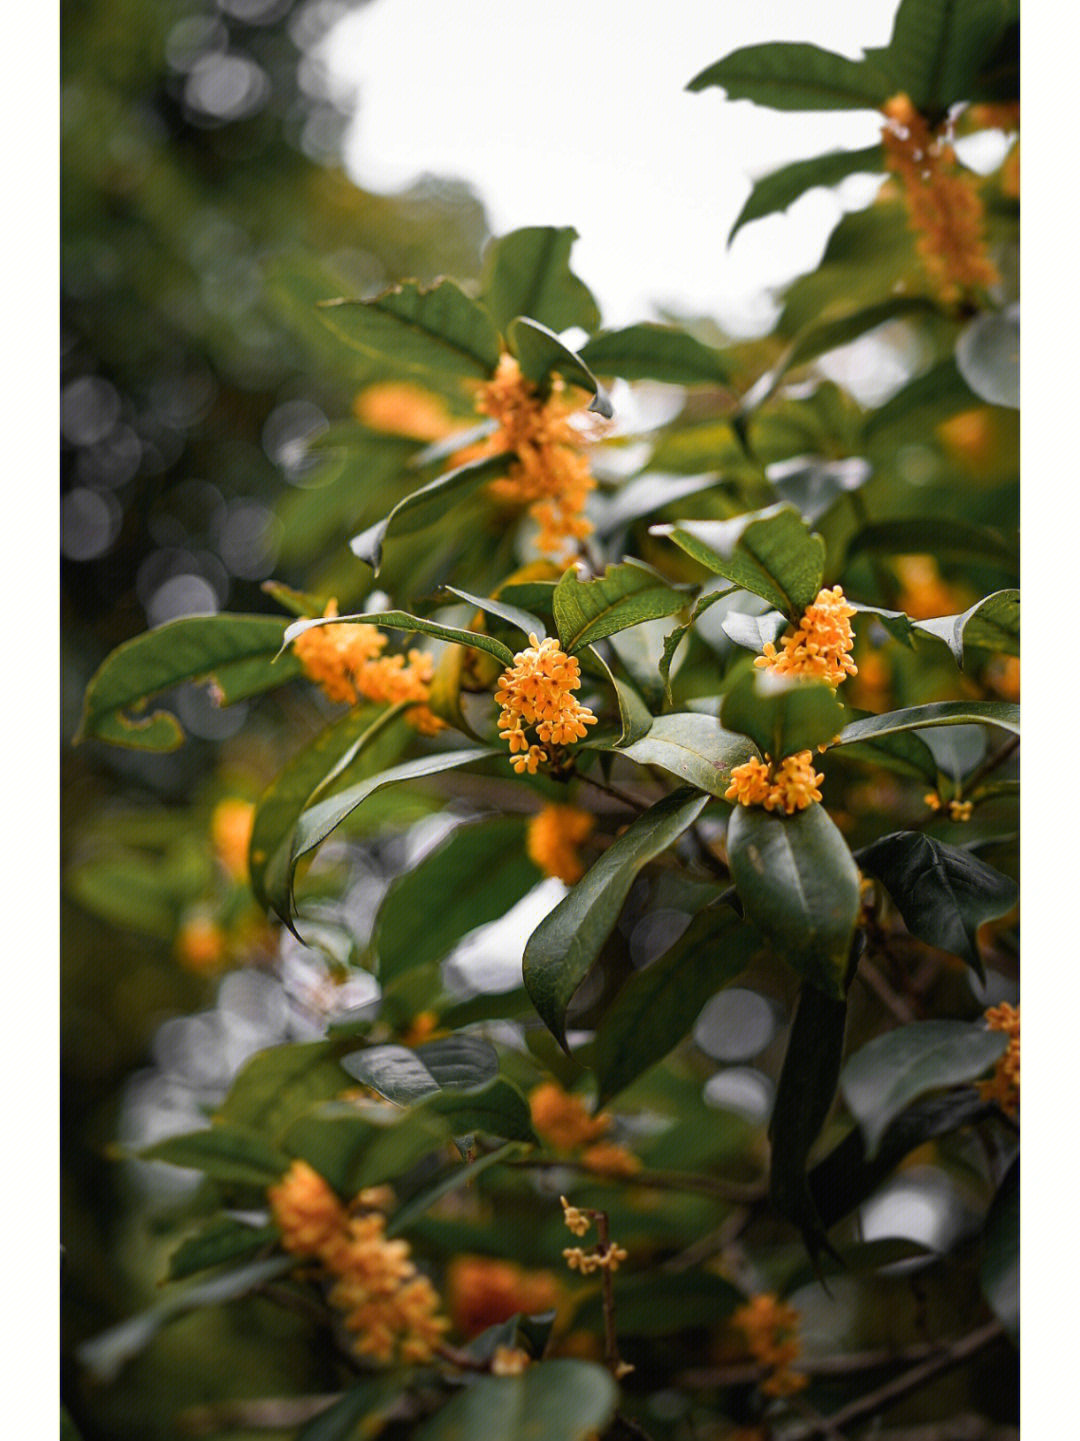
<point x="944" y="208"/>
<point x="958" y="810"/>
<point x="923" y="593"/>
<point x="820" y="645"/>
<point x="391" y="1307"/>
<point x="482" y="1291"/>
<point x="403" y="409"/>
<point x="230" y="831"/>
<point x="790" y="787"/>
<point x="346" y="661"/>
<point x="537" y="691"/>
<point x="553" y="837"/>
<point x="604" y="1258"/>
<point x="561" y="1120"/>
<point x="1004" y="1086"/>
<point x="771" y="1330"/>
<point x="550" y="474"/>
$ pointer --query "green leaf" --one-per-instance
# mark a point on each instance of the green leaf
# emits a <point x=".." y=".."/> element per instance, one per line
<point x="781" y="188"/>
<point x="795" y="76"/>
<point x="673" y="639"/>
<point x="1001" y="713"/>
<point x="992" y="623"/>
<point x="696" y="748"/>
<point x="460" y="1175"/>
<point x="568" y="940"/>
<point x="541" y="353"/>
<point x="404" y="1075"/>
<point x="649" y="351"/>
<point x="770" y="552"/>
<point x="401" y="620"/>
<point x="948" y="537"/>
<point x="901" y="751"/>
<point x="804" y="1097"/>
<point x="625" y="595"/>
<point x="754" y="632"/>
<point x="223" y="1239"/>
<point x="528" y="273"/>
<point x="522" y="620"/>
<point x="800" y="886"/>
<point x="898" y="624"/>
<point x="879" y="1080"/>
<point x="475" y="876"/>
<point x="635" y="718"/>
<point x="943" y="892"/>
<point x="988" y="357"/>
<point x="937" y="48"/>
<point x="813" y="485"/>
<point x="296" y="602"/>
<point x="427" y="506"/>
<point x="224" y="1153"/>
<point x="917" y="407"/>
<point x="236" y="653"/>
<point x="658" y="1006"/>
<point x="352" y="1146"/>
<point x="557" y="1400"/>
<point x="275" y="1085"/>
<point x="782" y="714"/>
<point x="358" y="1414"/>
<point x="496" y="1109"/>
<point x="1000" y="1271"/>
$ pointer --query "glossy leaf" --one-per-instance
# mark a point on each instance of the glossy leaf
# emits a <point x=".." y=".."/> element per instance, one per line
<point x="403" y="1074"/>
<point x="999" y="713"/>
<point x="275" y="1085"/>
<point x="797" y="76"/>
<point x="635" y="718"/>
<point x="782" y="714"/>
<point x="427" y="506"/>
<point x="658" y="1006"/>
<point x="754" y="632"/>
<point x="769" y="552"/>
<point x="992" y="623"/>
<point x="649" y="351"/>
<point x="223" y="1239"/>
<point x="541" y="354"/>
<point x="800" y="886"/>
<point x="890" y="1071"/>
<point x="937" y="48"/>
<point x="475" y="876"/>
<point x="696" y="748"/>
<point x="235" y="653"/>
<point x="352" y="1146"/>
<point x="568" y="940"/>
<point x="224" y="1153"/>
<point x="496" y="1109"/>
<point x="943" y="892"/>
<point x="813" y="485"/>
<point x="988" y="357"/>
<point x="781" y="188"/>
<point x="558" y="1400"/>
<point x="522" y="620"/>
<point x="589" y="610"/>
<point x="903" y="751"/>
<point x="527" y="272"/>
<point x="1000" y="1271"/>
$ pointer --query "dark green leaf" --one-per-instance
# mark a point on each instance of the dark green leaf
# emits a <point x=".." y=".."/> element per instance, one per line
<point x="203" y="647"/>
<point x="943" y="892"/>
<point x="1000" y="713"/>
<point x="497" y="1109"/>
<point x="568" y="940"/>
<point x="541" y="354"/>
<point x="475" y="876"/>
<point x="658" y="1006"/>
<point x="358" y="1414"/>
<point x="224" y="1239"/>
<point x="528" y="273"/>
<point x="635" y="718"/>
<point x="902" y="751"/>
<point x="352" y="1146"/>
<point x="881" y="1079"/>
<point x="427" y="506"/>
<point x="781" y="188"/>
<point x="557" y="1400"/>
<point x="782" y="714"/>
<point x="949" y="537"/>
<point x="799" y="885"/>
<point x="404" y="1075"/>
<point x="656" y="352"/>
<point x="625" y="595"/>
<point x="988" y="357"/>
<point x="224" y="1153"/>
<point x="277" y="1084"/>
<point x="899" y="626"/>
<point x="696" y="748"/>
<point x="522" y="620"/>
<point x="674" y="638"/>
<point x="992" y="623"/>
<point x="1000" y="1273"/>
<point x="937" y="48"/>
<point x="795" y="76"/>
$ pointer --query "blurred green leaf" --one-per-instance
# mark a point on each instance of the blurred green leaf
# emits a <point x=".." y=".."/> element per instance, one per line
<point x="275" y="1085"/>
<point x="1000" y="1272"/>
<point x="527" y="272"/>
<point x="879" y="1080"/>
<point x="800" y="886"/>
<point x="656" y="352"/>
<point x="222" y="1239"/>
<point x="568" y="940"/>
<point x="404" y="1075"/>
<point x="992" y="623"/>
<point x="224" y="1153"/>
<point x="659" y="1303"/>
<point x="696" y="748"/>
<point x="947" y="537"/>
<point x="781" y="188"/>
<point x="236" y="653"/>
<point x="782" y="714"/>
<point x="353" y="1146"/>
<point x="541" y="354"/>
<point x="625" y="595"/>
<point x="359" y="1414"/>
<point x="497" y="1109"/>
<point x="988" y="357"/>
<point x="943" y="892"/>
<point x="557" y="1400"/>
<point x="795" y="76"/>
<point x="937" y="48"/>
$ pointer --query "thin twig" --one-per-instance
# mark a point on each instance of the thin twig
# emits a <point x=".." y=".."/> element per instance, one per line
<point x="657" y="1180"/>
<point x="614" y="792"/>
<point x="611" y="1345"/>
<point x="893" y="1002"/>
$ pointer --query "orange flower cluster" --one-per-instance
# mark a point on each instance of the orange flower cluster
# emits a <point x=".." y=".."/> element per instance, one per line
<point x="562" y="1120"/>
<point x="771" y="1329"/>
<point x="944" y="208"/>
<point x="1003" y="676"/>
<point x="537" y="691"/>
<point x="346" y="661"/>
<point x="390" y="1306"/>
<point x="403" y="409"/>
<point x="958" y="810"/>
<point x="820" y="645"/>
<point x="553" y="837"/>
<point x="924" y="594"/>
<point x="481" y="1291"/>
<point x="549" y="473"/>
<point x="1004" y="1086"/>
<point x="790" y="787"/>
<point x="201" y="944"/>
<point x="230" y="831"/>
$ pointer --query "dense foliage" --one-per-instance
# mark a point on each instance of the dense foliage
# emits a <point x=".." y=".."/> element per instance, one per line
<point x="705" y="665"/>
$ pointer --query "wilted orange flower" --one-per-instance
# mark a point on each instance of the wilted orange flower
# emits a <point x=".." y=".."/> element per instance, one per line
<point x="481" y="1291"/>
<point x="552" y="839"/>
<point x="1004" y="1086"/>
<point x="230" y="831"/>
<point x="562" y="1120"/>
<point x="944" y="207"/>
<point x="537" y="691"/>
<point x="403" y="409"/>
<point x="771" y="1330"/>
<point x="821" y="643"/>
<point x="790" y="786"/>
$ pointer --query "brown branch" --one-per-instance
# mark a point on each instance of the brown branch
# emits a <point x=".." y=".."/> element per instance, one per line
<point x="893" y="1002"/>
<point x="614" y="792"/>
<point x="657" y="1180"/>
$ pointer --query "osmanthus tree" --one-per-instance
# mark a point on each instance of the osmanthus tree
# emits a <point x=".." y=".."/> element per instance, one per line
<point x="745" y="681"/>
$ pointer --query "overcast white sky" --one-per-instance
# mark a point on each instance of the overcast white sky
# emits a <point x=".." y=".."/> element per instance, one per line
<point x="575" y="112"/>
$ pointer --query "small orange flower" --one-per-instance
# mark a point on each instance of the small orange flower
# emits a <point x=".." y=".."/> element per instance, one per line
<point x="403" y="409"/>
<point x="608" y="1159"/>
<point x="1004" y="1086"/>
<point x="306" y="1211"/>
<point x="790" y="786"/>
<point x="820" y="645"/>
<point x="552" y="839"/>
<point x="771" y="1330"/>
<point x="562" y="1120"/>
<point x="481" y="1291"/>
<point x="201" y="945"/>
<point x="537" y="691"/>
<point x="230" y="831"/>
